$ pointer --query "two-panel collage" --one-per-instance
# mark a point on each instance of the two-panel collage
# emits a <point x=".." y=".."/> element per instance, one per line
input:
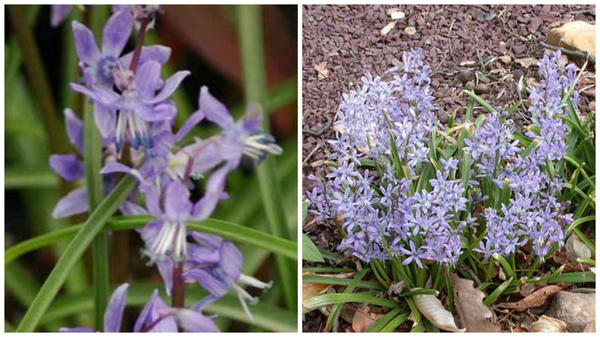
<point x="299" y="168"/>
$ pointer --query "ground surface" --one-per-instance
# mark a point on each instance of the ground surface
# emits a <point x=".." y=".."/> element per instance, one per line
<point x="460" y="43"/>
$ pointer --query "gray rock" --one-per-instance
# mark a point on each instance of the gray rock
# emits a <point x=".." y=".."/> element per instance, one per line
<point x="575" y="309"/>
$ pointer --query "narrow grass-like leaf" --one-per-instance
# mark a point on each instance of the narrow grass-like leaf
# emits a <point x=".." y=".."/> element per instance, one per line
<point x="327" y="299"/>
<point x="338" y="281"/>
<point x="253" y="65"/>
<point x="579" y="221"/>
<point x="73" y="253"/>
<point x="505" y="265"/>
<point x="420" y="291"/>
<point x="354" y="283"/>
<point x="23" y="178"/>
<point x="383" y="321"/>
<point x="396" y="322"/>
<point x="491" y="298"/>
<point x="310" y="252"/>
<point x="585" y="240"/>
<point x="480" y="101"/>
<point x="577" y="277"/>
<point x="92" y="160"/>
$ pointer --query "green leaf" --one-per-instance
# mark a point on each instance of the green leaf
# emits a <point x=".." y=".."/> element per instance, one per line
<point x="323" y="300"/>
<point x="225" y="229"/>
<point x="250" y="36"/>
<point x="420" y="291"/>
<point x="339" y="281"/>
<point x="92" y="161"/>
<point x="21" y="178"/>
<point x="354" y="283"/>
<point x="73" y="253"/>
<point x="578" y="277"/>
<point x="505" y="265"/>
<point x="396" y="322"/>
<point x="380" y="323"/>
<point x="494" y="295"/>
<point x="579" y="221"/>
<point x="480" y="100"/>
<point x="310" y="252"/>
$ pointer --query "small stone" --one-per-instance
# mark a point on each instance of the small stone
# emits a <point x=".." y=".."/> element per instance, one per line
<point x="505" y="59"/>
<point x="481" y="89"/>
<point x="443" y="117"/>
<point x="385" y="30"/>
<point x="576" y="35"/>
<point x="466" y="76"/>
<point x="575" y="309"/>
<point x="410" y="31"/>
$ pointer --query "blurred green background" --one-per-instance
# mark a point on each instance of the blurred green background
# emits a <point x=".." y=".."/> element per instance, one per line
<point x="203" y="40"/>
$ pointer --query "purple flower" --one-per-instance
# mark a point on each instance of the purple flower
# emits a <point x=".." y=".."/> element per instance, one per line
<point x="157" y="316"/>
<point x="113" y="314"/>
<point x="239" y="138"/>
<point x="58" y="13"/>
<point x="139" y="105"/>
<point x="100" y="66"/>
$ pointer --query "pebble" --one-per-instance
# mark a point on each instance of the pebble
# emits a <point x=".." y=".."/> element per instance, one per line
<point x="575" y="309"/>
<point x="481" y="89"/>
<point x="466" y="76"/>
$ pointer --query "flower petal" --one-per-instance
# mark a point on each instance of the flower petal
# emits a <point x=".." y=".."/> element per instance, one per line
<point x="193" y="321"/>
<point x="169" y="87"/>
<point x="178" y="206"/>
<point x="114" y="310"/>
<point x="98" y="94"/>
<point x="68" y="166"/>
<point x="116" y="33"/>
<point x="147" y="78"/>
<point x="214" y="110"/>
<point x="194" y="119"/>
<point x="252" y="122"/>
<point x="106" y="120"/>
<point x="208" y="281"/>
<point x="74" y="127"/>
<point x="85" y="45"/>
<point x="231" y="260"/>
<point x="76" y="202"/>
<point x="151" y="313"/>
<point x="156" y="53"/>
<point x="214" y="192"/>
<point x="130" y="208"/>
<point x="157" y="113"/>
<point x="58" y="13"/>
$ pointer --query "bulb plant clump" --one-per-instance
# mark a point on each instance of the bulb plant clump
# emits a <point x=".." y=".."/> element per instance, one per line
<point x="418" y="201"/>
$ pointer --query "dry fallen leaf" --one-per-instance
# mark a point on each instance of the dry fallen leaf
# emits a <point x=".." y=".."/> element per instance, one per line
<point x="536" y="299"/>
<point x="321" y="68"/>
<point x="575" y="248"/>
<point x="548" y="324"/>
<point x="385" y="30"/>
<point x="435" y="312"/>
<point x="310" y="290"/>
<point x="410" y="31"/>
<point x="473" y="314"/>
<point x="526" y="62"/>
<point x="363" y="319"/>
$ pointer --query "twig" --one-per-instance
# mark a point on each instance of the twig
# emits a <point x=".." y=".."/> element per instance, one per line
<point x="575" y="53"/>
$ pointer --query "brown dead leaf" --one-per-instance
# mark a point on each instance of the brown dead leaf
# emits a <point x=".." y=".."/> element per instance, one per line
<point x="526" y="62"/>
<point x="548" y="324"/>
<point x="363" y="319"/>
<point x="321" y="68"/>
<point x="310" y="290"/>
<point x="473" y="314"/>
<point x="536" y="299"/>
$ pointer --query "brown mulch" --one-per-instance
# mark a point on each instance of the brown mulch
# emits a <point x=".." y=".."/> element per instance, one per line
<point x="462" y="44"/>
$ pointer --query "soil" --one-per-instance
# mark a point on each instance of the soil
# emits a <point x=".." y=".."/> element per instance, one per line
<point x="462" y="45"/>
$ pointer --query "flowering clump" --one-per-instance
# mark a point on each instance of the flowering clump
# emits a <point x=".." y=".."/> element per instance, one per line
<point x="134" y="114"/>
<point x="401" y="192"/>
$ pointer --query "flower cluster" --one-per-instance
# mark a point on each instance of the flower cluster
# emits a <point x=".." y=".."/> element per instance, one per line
<point x="364" y="112"/>
<point x="385" y="214"/>
<point x="135" y="115"/>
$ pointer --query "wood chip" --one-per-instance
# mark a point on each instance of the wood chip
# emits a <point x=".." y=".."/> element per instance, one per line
<point x="321" y="68"/>
<point x="410" y="31"/>
<point x="526" y="62"/>
<point x="385" y="30"/>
